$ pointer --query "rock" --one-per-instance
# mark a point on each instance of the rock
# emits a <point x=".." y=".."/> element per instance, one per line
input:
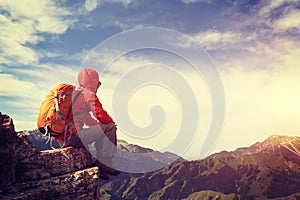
<point x="8" y="157"/>
<point x="73" y="184"/>
<point x="27" y="173"/>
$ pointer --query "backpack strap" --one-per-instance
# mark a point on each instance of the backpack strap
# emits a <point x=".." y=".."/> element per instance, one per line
<point x="69" y="123"/>
<point x="73" y="100"/>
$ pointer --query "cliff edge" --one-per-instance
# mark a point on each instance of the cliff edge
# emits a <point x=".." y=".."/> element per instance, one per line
<point x="27" y="173"/>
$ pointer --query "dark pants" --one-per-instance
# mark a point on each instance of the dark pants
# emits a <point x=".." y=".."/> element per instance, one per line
<point x="105" y="139"/>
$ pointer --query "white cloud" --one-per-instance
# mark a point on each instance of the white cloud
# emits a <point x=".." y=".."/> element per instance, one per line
<point x="211" y="40"/>
<point x="279" y="15"/>
<point x="48" y="75"/>
<point x="91" y="5"/>
<point x="196" y="1"/>
<point x="128" y="26"/>
<point x="214" y="39"/>
<point x="13" y="39"/>
<point x="12" y="86"/>
<point x="46" y="15"/>
<point x="288" y="21"/>
<point x="272" y="5"/>
<point x="22" y="25"/>
<point x="124" y="2"/>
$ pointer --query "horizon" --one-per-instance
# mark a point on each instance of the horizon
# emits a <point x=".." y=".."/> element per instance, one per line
<point x="253" y="47"/>
<point x="210" y="154"/>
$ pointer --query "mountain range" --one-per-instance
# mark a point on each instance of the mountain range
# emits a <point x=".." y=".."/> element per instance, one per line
<point x="265" y="170"/>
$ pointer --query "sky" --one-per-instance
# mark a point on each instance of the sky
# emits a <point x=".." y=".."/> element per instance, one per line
<point x="221" y="74"/>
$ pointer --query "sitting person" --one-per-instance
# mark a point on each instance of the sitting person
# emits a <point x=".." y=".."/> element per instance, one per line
<point x="93" y="124"/>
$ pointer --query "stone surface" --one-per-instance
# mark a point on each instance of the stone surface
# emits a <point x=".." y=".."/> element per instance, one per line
<point x="76" y="185"/>
<point x="8" y="157"/>
<point x="27" y="173"/>
<point x="50" y="163"/>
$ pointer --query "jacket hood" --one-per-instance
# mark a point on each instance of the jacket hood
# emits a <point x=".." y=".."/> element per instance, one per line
<point x="88" y="79"/>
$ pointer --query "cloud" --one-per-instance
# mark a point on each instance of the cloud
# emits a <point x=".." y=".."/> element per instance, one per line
<point x="91" y="5"/>
<point x="78" y="56"/>
<point x="266" y="35"/>
<point x="47" y="15"/>
<point x="263" y="19"/>
<point x="214" y="39"/>
<point x="289" y="21"/>
<point x="272" y="5"/>
<point x="279" y="16"/>
<point x="23" y="25"/>
<point x="110" y="60"/>
<point x="12" y="86"/>
<point x="211" y="40"/>
<point x="128" y="26"/>
<point x="196" y="1"/>
<point x="13" y="40"/>
<point x="124" y="2"/>
<point x="47" y="75"/>
<point x="34" y="83"/>
<point x="278" y="53"/>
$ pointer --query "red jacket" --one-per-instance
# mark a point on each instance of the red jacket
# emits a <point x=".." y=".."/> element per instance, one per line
<point x="87" y="109"/>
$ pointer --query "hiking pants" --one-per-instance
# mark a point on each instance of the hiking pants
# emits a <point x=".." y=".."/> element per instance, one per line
<point x="104" y="136"/>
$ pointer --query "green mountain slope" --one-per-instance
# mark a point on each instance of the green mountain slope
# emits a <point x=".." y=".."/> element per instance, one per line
<point x="212" y="195"/>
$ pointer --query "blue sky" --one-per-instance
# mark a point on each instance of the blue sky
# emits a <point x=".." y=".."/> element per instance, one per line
<point x="253" y="44"/>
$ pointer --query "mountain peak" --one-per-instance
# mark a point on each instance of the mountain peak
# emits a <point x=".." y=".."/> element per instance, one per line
<point x="281" y="145"/>
<point x="281" y="139"/>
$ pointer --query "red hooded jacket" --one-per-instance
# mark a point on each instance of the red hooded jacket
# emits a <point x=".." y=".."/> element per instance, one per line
<point x="87" y="109"/>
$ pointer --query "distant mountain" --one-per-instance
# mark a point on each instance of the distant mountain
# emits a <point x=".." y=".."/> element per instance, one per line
<point x="40" y="140"/>
<point x="284" y="146"/>
<point x="268" y="169"/>
<point x="134" y="158"/>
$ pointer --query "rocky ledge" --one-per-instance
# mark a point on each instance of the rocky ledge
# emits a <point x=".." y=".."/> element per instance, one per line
<point x="27" y="173"/>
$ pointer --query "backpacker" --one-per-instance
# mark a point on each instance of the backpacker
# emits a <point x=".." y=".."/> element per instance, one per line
<point x="55" y="117"/>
